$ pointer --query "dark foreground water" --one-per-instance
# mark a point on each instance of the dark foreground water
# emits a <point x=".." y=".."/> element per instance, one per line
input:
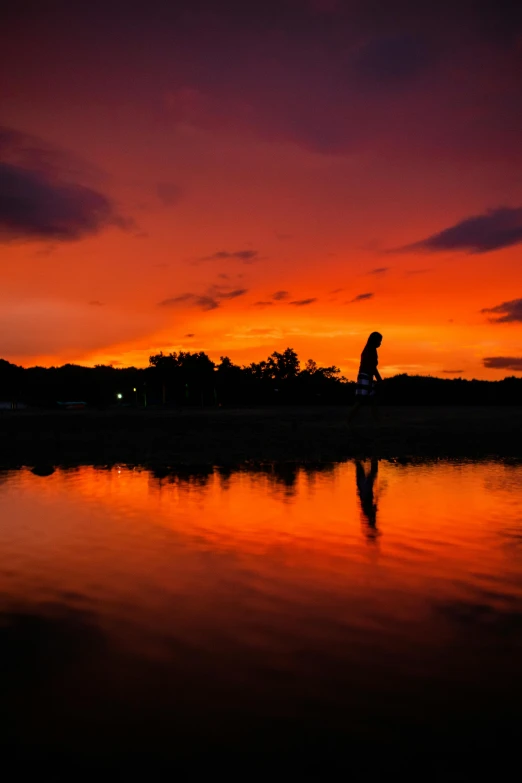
<point x="362" y="614"/>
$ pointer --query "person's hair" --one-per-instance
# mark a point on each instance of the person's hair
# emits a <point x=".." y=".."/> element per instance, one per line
<point x="374" y="339"/>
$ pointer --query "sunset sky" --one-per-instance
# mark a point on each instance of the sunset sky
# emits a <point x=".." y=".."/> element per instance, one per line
<point x="239" y="177"/>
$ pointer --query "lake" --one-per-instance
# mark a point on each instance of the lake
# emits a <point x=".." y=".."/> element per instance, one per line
<point x="282" y="615"/>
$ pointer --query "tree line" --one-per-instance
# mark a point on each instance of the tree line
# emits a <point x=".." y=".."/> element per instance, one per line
<point x="186" y="379"/>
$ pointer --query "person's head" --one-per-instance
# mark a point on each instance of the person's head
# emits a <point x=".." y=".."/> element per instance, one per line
<point x="374" y="340"/>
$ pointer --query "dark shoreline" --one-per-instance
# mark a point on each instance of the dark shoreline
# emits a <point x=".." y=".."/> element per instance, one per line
<point x="234" y="437"/>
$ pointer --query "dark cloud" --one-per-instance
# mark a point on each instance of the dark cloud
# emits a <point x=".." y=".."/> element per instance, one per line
<point x="168" y="193"/>
<point x="280" y="295"/>
<point x="509" y="312"/>
<point x="232" y="294"/>
<point x="246" y="256"/>
<point x="174" y="300"/>
<point x="495" y="229"/>
<point x="203" y="302"/>
<point x="452" y="372"/>
<point x="283" y="81"/>
<point x="96" y="303"/>
<point x="209" y="301"/>
<point x="393" y="60"/>
<point x="503" y="363"/>
<point x="34" y="207"/>
<point x="417" y="271"/>
<point x="361" y="297"/>
<point x="380" y="270"/>
<point x="190" y="334"/>
<point x="41" y="200"/>
<point x="303" y="302"/>
<point x="206" y="302"/>
<point x="334" y="95"/>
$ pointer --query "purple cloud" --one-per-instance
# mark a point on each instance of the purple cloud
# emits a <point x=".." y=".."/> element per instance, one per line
<point x="503" y="363"/>
<point x="209" y="301"/>
<point x="33" y="206"/>
<point x="174" y="300"/>
<point x="510" y="312"/>
<point x="232" y="294"/>
<point x="360" y="298"/>
<point x="493" y="230"/>
<point x="303" y="302"/>
<point x="279" y="295"/>
<point x="246" y="256"/>
<point x="40" y="197"/>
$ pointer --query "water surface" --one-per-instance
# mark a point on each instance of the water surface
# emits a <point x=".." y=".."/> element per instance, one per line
<point x="287" y="613"/>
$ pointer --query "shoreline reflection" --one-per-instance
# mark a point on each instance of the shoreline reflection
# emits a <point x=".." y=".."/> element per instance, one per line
<point x="183" y="608"/>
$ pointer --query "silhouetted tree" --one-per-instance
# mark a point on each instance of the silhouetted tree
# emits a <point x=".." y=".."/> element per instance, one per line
<point x="282" y="366"/>
<point x="231" y="381"/>
<point x="186" y="378"/>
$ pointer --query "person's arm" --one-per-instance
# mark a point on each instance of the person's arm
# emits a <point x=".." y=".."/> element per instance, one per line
<point x="376" y="373"/>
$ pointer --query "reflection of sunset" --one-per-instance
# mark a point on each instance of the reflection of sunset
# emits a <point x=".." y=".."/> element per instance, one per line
<point x="360" y="162"/>
<point x="123" y="532"/>
<point x="189" y="610"/>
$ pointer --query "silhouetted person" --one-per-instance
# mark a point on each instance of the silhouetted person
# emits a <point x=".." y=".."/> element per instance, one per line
<point x="365" y="389"/>
<point x="365" y="482"/>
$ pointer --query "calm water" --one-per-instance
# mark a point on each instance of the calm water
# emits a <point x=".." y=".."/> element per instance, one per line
<point x="286" y="615"/>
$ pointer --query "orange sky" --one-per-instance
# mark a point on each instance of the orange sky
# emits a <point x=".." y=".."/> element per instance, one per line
<point x="164" y="173"/>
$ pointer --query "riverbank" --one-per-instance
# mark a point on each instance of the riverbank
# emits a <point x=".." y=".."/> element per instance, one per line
<point x="232" y="437"/>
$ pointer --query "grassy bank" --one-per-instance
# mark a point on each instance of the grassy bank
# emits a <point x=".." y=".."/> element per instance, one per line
<point x="229" y="437"/>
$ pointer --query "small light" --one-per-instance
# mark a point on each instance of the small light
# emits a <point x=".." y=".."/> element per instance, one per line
<point x="119" y="396"/>
<point x="134" y="389"/>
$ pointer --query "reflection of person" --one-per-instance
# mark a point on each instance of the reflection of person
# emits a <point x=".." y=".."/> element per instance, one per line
<point x="365" y="482"/>
<point x="365" y="389"/>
